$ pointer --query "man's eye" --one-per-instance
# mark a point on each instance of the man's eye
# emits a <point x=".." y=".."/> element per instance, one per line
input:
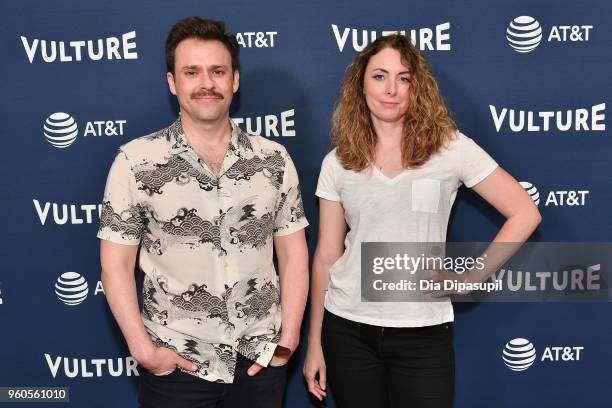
<point x="219" y="72"/>
<point x="190" y="73"/>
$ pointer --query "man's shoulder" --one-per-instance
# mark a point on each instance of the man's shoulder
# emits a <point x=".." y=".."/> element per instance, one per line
<point x="150" y="144"/>
<point x="263" y="145"/>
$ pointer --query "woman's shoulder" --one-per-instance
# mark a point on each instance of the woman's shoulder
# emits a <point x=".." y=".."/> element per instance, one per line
<point x="456" y="139"/>
<point x="331" y="159"/>
<point x="457" y="142"/>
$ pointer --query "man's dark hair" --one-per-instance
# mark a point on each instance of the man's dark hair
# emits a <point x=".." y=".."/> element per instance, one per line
<point x="202" y="29"/>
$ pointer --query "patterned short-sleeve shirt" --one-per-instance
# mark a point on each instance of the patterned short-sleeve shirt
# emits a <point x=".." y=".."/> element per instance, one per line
<point x="210" y="289"/>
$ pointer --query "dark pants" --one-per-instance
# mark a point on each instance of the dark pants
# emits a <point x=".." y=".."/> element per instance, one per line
<point x="180" y="390"/>
<point x="377" y="367"/>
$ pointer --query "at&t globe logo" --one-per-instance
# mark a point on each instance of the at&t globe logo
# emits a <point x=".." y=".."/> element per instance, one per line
<point x="61" y="130"/>
<point x="532" y="191"/>
<point x="524" y="34"/>
<point x="519" y="354"/>
<point x="71" y="288"/>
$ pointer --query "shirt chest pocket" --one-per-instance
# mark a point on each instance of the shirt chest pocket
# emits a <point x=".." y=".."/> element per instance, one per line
<point x="426" y="195"/>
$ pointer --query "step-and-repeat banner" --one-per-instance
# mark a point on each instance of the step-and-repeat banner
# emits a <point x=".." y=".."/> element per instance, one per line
<point x="530" y="81"/>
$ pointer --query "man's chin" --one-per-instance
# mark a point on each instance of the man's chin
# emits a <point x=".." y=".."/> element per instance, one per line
<point x="208" y="116"/>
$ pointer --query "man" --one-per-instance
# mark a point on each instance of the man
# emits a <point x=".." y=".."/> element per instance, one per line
<point x="206" y="202"/>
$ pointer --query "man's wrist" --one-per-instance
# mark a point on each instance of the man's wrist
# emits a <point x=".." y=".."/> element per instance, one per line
<point x="289" y="341"/>
<point x="142" y="352"/>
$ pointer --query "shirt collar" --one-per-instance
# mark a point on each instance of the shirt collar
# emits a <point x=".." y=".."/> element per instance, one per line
<point x="238" y="140"/>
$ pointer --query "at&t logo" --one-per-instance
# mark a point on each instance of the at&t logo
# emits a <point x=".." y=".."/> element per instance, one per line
<point x="61" y="130"/>
<point x="557" y="198"/>
<point x="525" y="33"/>
<point x="256" y="39"/>
<point x="532" y="191"/>
<point x="72" y="289"/>
<point x="519" y="354"/>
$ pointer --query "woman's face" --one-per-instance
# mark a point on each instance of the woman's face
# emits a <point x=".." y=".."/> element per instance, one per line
<point x="386" y="86"/>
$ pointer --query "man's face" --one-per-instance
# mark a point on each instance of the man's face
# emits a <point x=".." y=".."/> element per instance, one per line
<point x="203" y="81"/>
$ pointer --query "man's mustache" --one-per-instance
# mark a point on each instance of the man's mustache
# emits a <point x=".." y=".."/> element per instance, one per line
<point x="206" y="92"/>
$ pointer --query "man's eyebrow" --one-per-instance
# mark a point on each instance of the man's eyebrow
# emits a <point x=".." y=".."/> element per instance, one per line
<point x="197" y="67"/>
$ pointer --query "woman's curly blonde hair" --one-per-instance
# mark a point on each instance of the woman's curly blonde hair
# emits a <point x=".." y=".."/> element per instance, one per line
<point x="427" y="123"/>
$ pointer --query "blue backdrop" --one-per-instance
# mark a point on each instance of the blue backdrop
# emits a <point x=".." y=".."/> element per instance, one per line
<point x="94" y="74"/>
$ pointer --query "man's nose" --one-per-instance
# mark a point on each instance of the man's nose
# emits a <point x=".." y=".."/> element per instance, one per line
<point x="206" y="80"/>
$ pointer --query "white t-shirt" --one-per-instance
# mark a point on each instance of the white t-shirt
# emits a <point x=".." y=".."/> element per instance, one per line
<point x="414" y="206"/>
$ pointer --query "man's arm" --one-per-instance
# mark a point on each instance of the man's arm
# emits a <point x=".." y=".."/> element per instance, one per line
<point x="292" y="256"/>
<point x="330" y="247"/>
<point x="118" y="262"/>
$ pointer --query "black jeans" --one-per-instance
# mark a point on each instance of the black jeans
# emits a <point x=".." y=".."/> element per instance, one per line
<point x="180" y="390"/>
<point x="379" y="367"/>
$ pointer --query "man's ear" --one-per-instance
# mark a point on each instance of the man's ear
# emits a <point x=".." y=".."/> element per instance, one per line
<point x="170" y="79"/>
<point x="236" y="81"/>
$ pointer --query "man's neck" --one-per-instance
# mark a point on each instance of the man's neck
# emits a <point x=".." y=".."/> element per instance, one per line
<point x="200" y="133"/>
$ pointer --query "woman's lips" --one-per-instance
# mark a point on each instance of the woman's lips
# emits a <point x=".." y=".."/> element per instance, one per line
<point x="390" y="104"/>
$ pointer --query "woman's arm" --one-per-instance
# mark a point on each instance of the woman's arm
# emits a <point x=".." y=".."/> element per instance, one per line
<point x="507" y="196"/>
<point x="504" y="193"/>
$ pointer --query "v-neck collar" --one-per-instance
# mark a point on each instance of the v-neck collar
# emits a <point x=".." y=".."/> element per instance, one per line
<point x="389" y="180"/>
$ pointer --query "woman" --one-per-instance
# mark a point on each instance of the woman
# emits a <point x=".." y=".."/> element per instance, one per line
<point x="393" y="175"/>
